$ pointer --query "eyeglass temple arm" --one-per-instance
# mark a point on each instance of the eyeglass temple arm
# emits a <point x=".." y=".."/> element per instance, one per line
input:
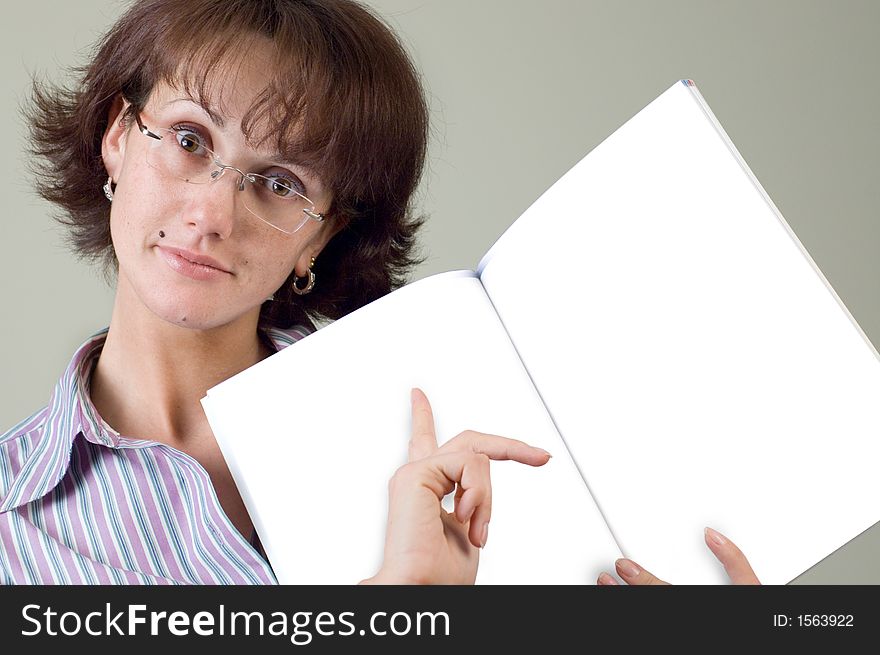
<point x="144" y="130"/>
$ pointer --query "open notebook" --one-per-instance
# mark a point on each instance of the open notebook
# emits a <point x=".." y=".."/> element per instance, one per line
<point x="651" y="320"/>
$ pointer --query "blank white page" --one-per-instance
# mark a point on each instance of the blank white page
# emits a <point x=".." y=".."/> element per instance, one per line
<point x="314" y="433"/>
<point x="693" y="357"/>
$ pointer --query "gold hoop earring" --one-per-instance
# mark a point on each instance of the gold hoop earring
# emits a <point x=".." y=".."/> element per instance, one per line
<point x="301" y="291"/>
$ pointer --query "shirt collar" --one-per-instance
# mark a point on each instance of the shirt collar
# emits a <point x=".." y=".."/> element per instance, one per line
<point x="70" y="414"/>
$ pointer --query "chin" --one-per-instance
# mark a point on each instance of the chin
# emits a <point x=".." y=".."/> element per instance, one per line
<point x="195" y="312"/>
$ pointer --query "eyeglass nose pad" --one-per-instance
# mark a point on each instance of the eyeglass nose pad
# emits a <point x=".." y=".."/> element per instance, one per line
<point x="242" y="177"/>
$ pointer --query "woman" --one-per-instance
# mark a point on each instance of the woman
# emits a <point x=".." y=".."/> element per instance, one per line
<point x="217" y="154"/>
<point x="240" y="168"/>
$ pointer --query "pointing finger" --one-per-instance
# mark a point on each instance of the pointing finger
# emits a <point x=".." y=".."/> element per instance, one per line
<point x="423" y="440"/>
<point x="495" y="447"/>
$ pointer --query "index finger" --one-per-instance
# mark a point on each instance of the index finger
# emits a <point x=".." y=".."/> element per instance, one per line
<point x="495" y="447"/>
<point x="423" y="441"/>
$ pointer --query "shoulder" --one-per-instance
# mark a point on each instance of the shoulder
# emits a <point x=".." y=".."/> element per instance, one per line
<point x="17" y="443"/>
<point x="61" y="412"/>
<point x="32" y="424"/>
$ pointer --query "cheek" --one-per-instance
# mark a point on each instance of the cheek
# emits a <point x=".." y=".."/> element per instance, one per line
<point x="137" y="212"/>
<point x="121" y="230"/>
<point x="268" y="266"/>
<point x="130" y="234"/>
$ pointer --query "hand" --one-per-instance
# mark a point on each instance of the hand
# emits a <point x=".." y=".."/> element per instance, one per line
<point x="425" y="544"/>
<point x="735" y="563"/>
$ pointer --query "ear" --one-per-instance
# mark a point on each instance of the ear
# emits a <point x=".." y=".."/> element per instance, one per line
<point x="113" y="142"/>
<point x="316" y="245"/>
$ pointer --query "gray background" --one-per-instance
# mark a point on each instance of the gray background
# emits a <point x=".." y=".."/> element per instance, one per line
<point x="519" y="92"/>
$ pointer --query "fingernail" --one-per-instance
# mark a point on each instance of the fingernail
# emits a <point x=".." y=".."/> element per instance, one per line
<point x="485" y="535"/>
<point x="605" y="579"/>
<point x="545" y="452"/>
<point x="715" y="537"/>
<point x="627" y="568"/>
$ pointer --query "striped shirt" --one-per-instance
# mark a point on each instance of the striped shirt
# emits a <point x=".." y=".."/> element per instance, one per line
<point x="80" y="504"/>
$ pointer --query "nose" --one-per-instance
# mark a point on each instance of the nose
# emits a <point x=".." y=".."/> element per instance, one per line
<point x="212" y="207"/>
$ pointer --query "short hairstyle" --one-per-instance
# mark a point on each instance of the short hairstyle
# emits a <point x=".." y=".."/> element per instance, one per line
<point x="345" y="100"/>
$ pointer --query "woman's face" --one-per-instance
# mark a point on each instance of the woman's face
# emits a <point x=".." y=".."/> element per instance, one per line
<point x="209" y="220"/>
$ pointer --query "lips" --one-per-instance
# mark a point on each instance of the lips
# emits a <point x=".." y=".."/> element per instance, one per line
<point x="195" y="258"/>
<point x="181" y="261"/>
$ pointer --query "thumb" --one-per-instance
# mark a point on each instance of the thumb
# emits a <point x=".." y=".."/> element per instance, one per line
<point x="735" y="563"/>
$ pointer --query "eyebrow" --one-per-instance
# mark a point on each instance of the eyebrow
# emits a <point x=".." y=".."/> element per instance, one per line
<point x="220" y="121"/>
<point x="216" y="118"/>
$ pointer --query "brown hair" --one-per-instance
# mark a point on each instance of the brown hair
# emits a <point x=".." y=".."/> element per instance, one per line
<point x="345" y="100"/>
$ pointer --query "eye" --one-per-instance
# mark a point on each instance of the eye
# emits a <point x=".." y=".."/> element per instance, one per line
<point x="284" y="185"/>
<point x="190" y="140"/>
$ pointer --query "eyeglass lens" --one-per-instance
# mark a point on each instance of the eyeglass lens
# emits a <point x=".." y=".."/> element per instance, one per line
<point x="272" y="198"/>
